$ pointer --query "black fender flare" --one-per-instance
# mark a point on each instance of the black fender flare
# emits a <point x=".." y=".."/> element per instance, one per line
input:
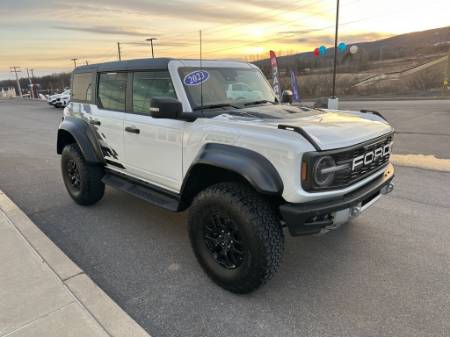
<point x="85" y="137"/>
<point x="252" y="166"/>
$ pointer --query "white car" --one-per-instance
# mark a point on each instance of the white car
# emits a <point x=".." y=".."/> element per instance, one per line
<point x="62" y="100"/>
<point x="167" y="131"/>
<point x="56" y="98"/>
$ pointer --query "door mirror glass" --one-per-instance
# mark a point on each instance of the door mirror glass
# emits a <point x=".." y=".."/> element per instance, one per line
<point x="165" y="107"/>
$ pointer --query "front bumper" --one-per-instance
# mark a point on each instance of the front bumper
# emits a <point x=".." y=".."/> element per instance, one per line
<point x="313" y="217"/>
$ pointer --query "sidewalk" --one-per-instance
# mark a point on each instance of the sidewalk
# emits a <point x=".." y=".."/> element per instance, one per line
<point x="43" y="293"/>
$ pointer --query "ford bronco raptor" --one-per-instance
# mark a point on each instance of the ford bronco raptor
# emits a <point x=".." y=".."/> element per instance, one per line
<point x="184" y="134"/>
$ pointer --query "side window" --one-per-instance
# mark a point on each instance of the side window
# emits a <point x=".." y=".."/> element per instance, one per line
<point x="112" y="88"/>
<point x="150" y="84"/>
<point x="82" y="87"/>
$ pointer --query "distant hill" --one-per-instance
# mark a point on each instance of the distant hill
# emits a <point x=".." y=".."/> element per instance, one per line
<point x="433" y="41"/>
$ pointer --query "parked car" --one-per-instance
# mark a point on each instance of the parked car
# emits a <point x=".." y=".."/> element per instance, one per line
<point x="53" y="99"/>
<point x="168" y="131"/>
<point x="62" y="100"/>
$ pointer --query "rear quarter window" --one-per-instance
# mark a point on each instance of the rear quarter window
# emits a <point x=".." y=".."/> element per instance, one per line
<point x="82" y="85"/>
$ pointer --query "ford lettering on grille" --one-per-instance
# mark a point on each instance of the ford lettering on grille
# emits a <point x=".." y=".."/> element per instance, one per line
<point x="360" y="162"/>
<point x="371" y="156"/>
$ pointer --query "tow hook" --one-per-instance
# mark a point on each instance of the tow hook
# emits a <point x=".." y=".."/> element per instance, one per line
<point x="388" y="188"/>
<point x="355" y="211"/>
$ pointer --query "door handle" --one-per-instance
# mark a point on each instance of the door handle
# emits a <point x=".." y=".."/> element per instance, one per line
<point x="94" y="122"/>
<point x="132" y="129"/>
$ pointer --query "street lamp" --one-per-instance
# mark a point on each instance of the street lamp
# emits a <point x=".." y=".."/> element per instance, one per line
<point x="335" y="50"/>
<point x="151" y="42"/>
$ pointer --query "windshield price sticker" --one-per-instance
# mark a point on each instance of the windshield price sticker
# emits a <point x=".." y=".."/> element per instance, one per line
<point x="196" y="77"/>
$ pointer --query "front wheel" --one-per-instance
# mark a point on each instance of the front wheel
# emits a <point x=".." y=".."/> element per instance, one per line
<point x="236" y="236"/>
<point x="82" y="181"/>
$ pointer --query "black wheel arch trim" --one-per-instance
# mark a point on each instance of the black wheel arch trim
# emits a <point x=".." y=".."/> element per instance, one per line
<point x="84" y="136"/>
<point x="252" y="166"/>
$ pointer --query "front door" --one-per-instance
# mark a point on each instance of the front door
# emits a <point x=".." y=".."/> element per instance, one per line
<point x="153" y="146"/>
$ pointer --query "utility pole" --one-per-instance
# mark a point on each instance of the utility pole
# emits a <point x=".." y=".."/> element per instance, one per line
<point x="118" y="51"/>
<point x="335" y="49"/>
<point x="151" y="43"/>
<point x="74" y="62"/>
<point x="31" y="84"/>
<point x="16" y="70"/>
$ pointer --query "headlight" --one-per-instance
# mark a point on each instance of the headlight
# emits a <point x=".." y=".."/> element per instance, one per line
<point x="323" y="171"/>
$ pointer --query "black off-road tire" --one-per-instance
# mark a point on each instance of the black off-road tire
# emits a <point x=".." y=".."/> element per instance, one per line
<point x="82" y="181"/>
<point x="259" y="231"/>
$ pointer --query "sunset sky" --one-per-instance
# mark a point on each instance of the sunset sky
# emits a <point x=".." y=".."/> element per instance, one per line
<point x="46" y="34"/>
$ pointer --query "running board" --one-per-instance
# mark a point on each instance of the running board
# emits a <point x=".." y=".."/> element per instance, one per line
<point x="144" y="191"/>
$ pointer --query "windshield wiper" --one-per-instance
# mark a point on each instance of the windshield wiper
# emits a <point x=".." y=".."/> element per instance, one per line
<point x="212" y="106"/>
<point x="258" y="102"/>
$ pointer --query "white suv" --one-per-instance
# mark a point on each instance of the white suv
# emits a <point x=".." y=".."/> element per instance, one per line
<point x="59" y="100"/>
<point x="169" y="132"/>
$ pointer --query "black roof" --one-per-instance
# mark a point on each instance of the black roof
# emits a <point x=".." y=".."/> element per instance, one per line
<point x="140" y="64"/>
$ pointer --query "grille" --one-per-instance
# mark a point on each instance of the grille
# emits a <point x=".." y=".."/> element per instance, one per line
<point x="347" y="177"/>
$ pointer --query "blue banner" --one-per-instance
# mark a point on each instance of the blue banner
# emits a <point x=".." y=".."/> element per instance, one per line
<point x="294" y="87"/>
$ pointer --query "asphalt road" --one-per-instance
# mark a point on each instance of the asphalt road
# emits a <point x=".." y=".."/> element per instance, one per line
<point x="385" y="274"/>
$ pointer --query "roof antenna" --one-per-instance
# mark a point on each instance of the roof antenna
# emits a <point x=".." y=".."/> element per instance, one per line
<point x="201" y="72"/>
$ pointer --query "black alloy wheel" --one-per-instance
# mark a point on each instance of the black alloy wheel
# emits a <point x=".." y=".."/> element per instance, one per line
<point x="73" y="174"/>
<point x="223" y="240"/>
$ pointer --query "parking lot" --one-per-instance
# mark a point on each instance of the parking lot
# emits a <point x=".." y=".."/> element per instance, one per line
<point x="385" y="274"/>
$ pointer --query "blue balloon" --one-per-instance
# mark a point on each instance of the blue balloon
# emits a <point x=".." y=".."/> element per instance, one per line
<point x="322" y="50"/>
<point x="342" y="47"/>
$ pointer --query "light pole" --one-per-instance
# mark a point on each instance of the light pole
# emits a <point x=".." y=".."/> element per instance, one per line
<point x="335" y="50"/>
<point x="74" y="62"/>
<point x="151" y="43"/>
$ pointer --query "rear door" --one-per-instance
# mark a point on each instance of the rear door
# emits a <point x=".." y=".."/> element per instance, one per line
<point x="108" y="116"/>
<point x="153" y="146"/>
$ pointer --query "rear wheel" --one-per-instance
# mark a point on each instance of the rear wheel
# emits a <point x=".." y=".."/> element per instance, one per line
<point x="82" y="181"/>
<point x="236" y="236"/>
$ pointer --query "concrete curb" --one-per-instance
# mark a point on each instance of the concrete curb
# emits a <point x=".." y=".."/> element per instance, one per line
<point x="105" y="311"/>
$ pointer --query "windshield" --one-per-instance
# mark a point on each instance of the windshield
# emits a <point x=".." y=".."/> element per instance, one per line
<point x="224" y="86"/>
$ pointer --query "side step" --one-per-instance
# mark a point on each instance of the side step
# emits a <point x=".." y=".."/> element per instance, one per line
<point x="144" y="191"/>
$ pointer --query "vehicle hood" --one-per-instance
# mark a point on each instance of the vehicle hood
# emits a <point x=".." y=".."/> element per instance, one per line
<point x="329" y="129"/>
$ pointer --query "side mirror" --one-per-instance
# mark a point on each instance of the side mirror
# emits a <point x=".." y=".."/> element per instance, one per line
<point x="165" y="107"/>
<point x="286" y="96"/>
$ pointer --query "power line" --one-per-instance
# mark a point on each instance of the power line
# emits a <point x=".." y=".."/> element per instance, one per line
<point x="218" y="28"/>
<point x="316" y="14"/>
<point x="309" y="31"/>
<point x="222" y="28"/>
